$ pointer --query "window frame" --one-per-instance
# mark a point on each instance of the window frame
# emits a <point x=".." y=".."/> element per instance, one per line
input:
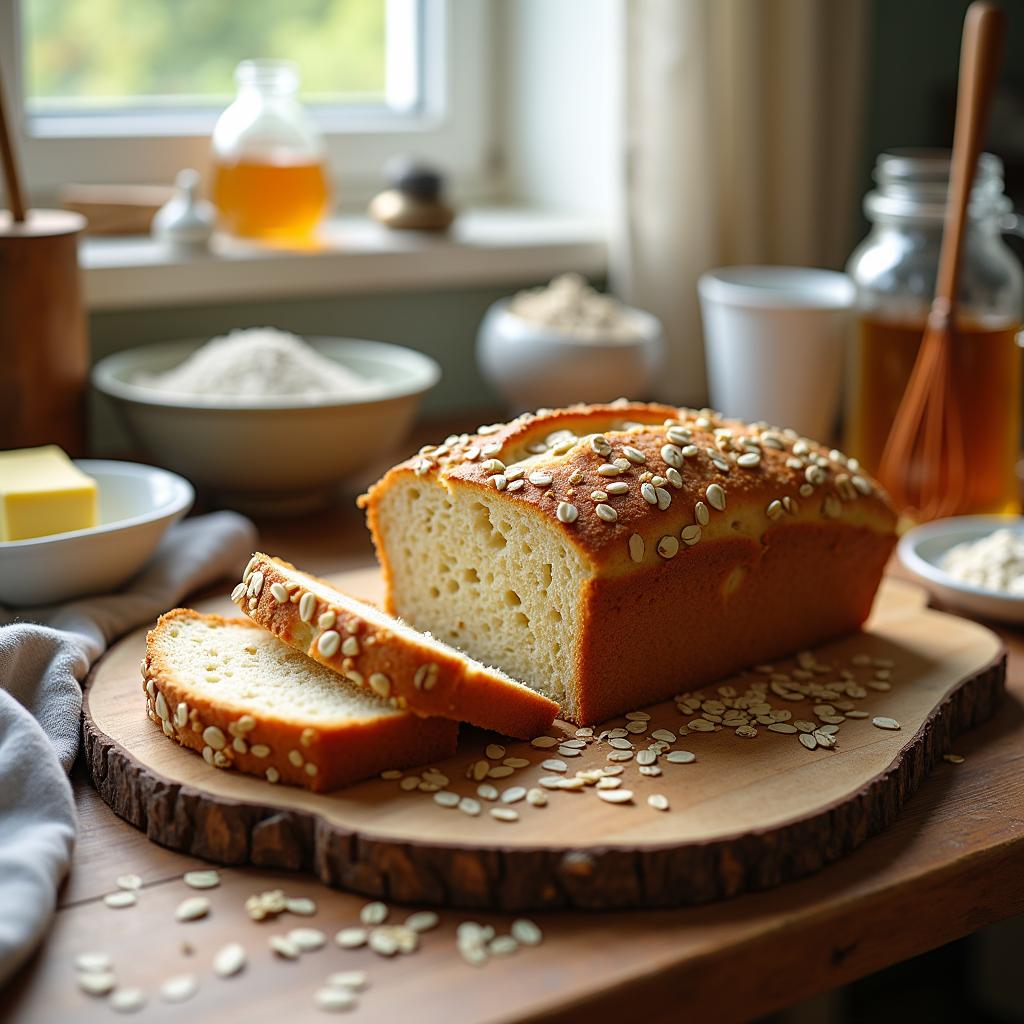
<point x="450" y="127"/>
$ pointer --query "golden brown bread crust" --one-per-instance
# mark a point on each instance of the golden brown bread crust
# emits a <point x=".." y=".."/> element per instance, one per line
<point x="801" y="527"/>
<point x="427" y="680"/>
<point x="663" y="632"/>
<point x="340" y="753"/>
<point x="845" y="494"/>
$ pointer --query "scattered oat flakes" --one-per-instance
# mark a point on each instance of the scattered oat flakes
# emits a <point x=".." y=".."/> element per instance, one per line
<point x="681" y="757"/>
<point x="229" y="960"/>
<point x="422" y="921"/>
<point x="882" y="722"/>
<point x="96" y="983"/>
<point x="334" y="998"/>
<point x="351" y="938"/>
<point x="127" y="1000"/>
<point x="616" y="796"/>
<point x="93" y="963"/>
<point x="179" y="988"/>
<point x="192" y="909"/>
<point x="202" y="879"/>
<point x="307" y="939"/>
<point x="355" y="981"/>
<point x="374" y="913"/>
<point x="383" y="942"/>
<point x="542" y="742"/>
<point x="526" y="932"/>
<point x="120" y="899"/>
<point x="283" y="947"/>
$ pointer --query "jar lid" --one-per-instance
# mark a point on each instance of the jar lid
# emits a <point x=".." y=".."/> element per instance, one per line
<point x="268" y="75"/>
<point x="914" y="184"/>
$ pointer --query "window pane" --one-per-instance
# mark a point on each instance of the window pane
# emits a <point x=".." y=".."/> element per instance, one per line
<point x="102" y="55"/>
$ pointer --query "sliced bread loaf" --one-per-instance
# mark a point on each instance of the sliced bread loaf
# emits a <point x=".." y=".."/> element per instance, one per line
<point x="611" y="556"/>
<point x="406" y="668"/>
<point x="240" y="697"/>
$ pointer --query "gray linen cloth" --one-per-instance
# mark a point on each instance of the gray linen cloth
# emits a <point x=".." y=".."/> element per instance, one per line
<point x="44" y="656"/>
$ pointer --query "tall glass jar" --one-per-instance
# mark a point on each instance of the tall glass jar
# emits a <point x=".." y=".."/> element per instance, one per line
<point x="269" y="174"/>
<point x="894" y="269"/>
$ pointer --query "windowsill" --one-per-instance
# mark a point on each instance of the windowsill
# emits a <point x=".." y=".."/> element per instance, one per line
<point x="485" y="246"/>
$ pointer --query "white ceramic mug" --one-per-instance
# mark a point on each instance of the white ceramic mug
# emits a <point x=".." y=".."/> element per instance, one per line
<point x="775" y="340"/>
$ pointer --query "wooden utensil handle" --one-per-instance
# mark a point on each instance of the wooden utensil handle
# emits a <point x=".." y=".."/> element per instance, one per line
<point x="12" y="180"/>
<point x="980" y="55"/>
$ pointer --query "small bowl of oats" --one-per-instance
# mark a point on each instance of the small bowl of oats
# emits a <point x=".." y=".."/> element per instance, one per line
<point x="567" y="343"/>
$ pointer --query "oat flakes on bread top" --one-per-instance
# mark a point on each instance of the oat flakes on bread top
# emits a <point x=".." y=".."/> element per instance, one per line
<point x="372" y="649"/>
<point x="243" y="699"/>
<point x="613" y="555"/>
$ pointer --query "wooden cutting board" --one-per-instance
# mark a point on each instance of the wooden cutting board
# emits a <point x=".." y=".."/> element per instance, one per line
<point x="747" y="814"/>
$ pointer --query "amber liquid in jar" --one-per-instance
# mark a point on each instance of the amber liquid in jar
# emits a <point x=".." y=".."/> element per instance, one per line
<point x="278" y="202"/>
<point x="987" y="384"/>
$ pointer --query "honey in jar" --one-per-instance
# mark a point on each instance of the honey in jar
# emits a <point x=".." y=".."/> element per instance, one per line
<point x="986" y="380"/>
<point x="271" y="201"/>
<point x="894" y="269"/>
<point x="269" y="178"/>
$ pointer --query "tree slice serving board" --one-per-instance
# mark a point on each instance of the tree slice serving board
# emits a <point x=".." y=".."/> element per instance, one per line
<point x="747" y="814"/>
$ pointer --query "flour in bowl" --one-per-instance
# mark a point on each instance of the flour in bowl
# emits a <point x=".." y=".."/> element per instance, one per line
<point x="255" y="363"/>
<point x="995" y="562"/>
<point x="569" y="304"/>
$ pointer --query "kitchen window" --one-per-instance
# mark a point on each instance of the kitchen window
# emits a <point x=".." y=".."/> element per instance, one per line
<point x="128" y="90"/>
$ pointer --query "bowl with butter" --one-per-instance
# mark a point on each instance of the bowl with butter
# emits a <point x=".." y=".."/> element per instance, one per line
<point x="68" y="529"/>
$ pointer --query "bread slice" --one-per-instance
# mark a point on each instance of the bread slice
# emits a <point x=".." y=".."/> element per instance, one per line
<point x="612" y="556"/>
<point x="406" y="668"/>
<point x="240" y="697"/>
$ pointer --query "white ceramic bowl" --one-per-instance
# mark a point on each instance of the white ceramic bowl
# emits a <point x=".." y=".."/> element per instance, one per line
<point x="532" y="366"/>
<point x="136" y="506"/>
<point x="921" y="551"/>
<point x="275" y="455"/>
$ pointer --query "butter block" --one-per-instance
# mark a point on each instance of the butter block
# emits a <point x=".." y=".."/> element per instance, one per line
<point x="43" y="492"/>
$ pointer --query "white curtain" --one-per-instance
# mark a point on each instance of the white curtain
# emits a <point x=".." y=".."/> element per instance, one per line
<point x="742" y="146"/>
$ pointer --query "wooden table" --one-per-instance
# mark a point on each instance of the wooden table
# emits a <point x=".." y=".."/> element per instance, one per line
<point x="953" y="863"/>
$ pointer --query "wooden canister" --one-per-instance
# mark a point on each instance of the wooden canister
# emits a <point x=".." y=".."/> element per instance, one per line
<point x="44" y="346"/>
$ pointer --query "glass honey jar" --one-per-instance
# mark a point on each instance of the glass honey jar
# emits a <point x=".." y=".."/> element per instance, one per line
<point x="269" y="173"/>
<point x="894" y="269"/>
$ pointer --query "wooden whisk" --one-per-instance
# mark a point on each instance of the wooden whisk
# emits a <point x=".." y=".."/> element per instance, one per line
<point x="924" y="464"/>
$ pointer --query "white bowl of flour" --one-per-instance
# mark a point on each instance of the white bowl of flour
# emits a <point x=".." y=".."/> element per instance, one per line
<point x="263" y="420"/>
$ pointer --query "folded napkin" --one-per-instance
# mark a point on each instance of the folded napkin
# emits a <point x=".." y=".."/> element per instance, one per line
<point x="44" y="656"/>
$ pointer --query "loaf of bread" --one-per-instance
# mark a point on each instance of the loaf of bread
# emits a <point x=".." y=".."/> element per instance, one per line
<point x="406" y="668"/>
<point x="611" y="556"/>
<point x="243" y="699"/>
